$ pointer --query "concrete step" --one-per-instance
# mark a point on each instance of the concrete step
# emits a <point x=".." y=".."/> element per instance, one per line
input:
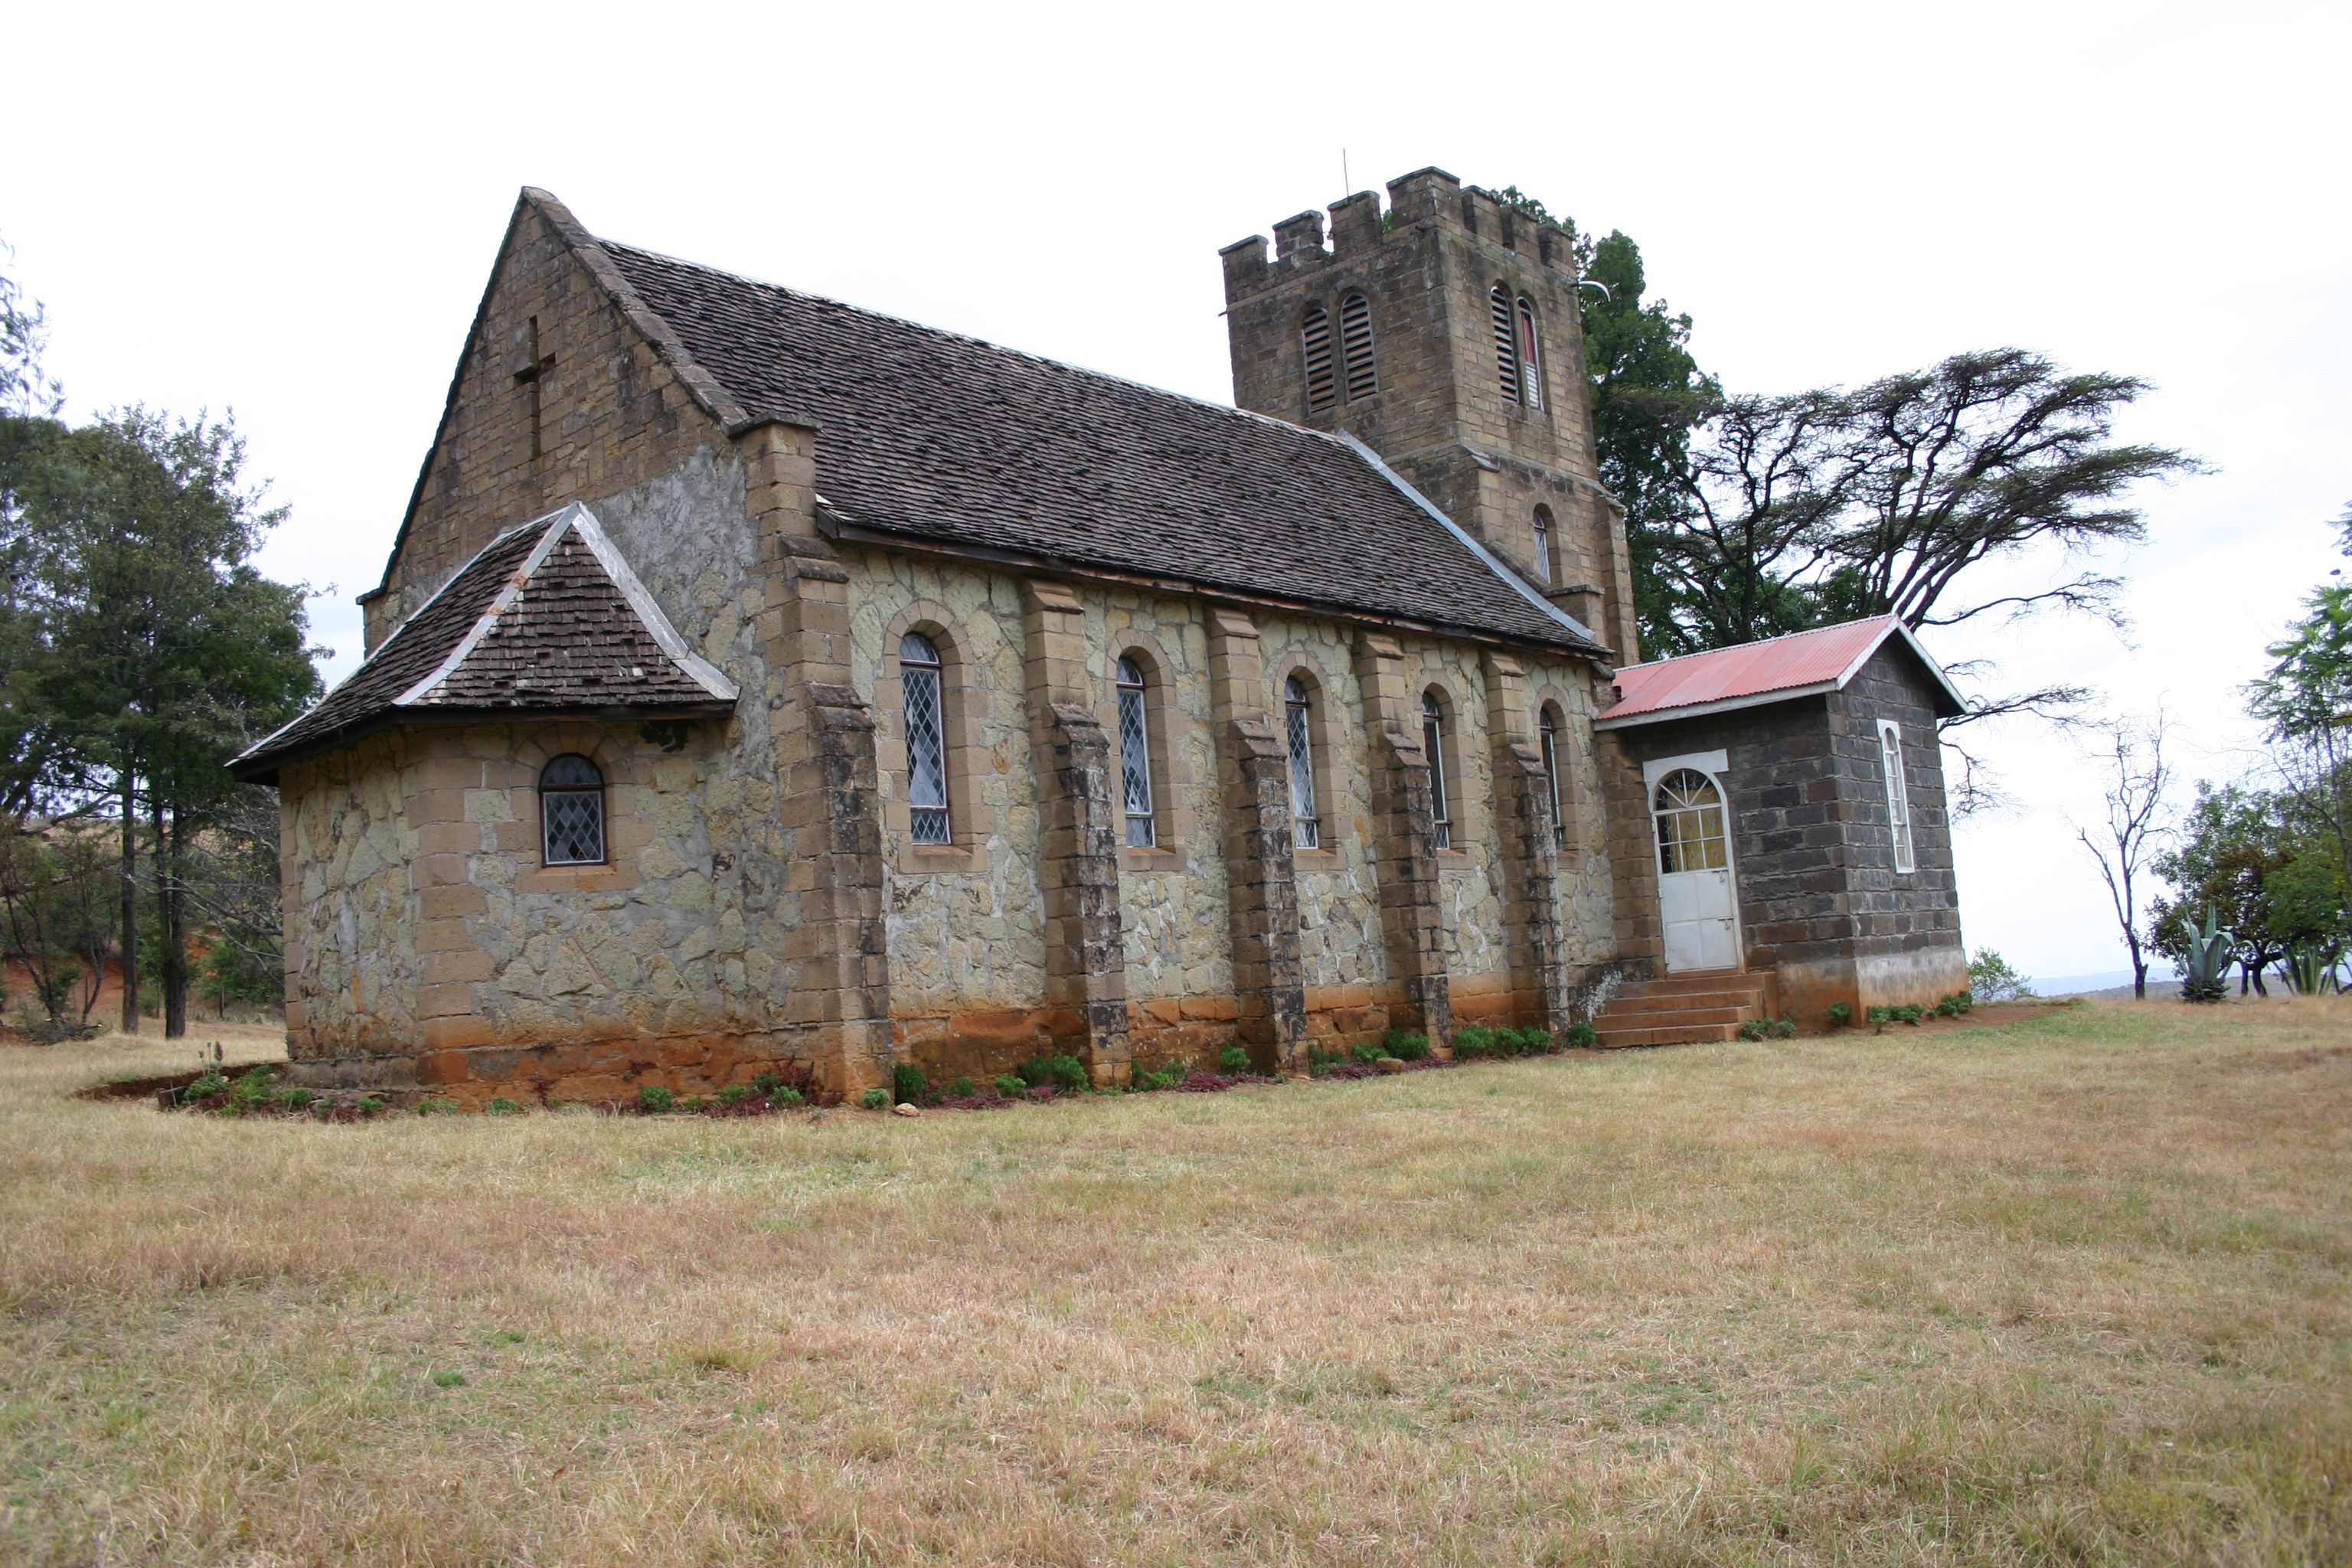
<point x="1687" y="1035"/>
<point x="1696" y="1010"/>
<point x="1676" y="1001"/>
<point x="1683" y="984"/>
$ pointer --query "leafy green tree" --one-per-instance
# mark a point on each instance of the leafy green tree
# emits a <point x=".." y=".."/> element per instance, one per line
<point x="2257" y="859"/>
<point x="1647" y="393"/>
<point x="161" y="649"/>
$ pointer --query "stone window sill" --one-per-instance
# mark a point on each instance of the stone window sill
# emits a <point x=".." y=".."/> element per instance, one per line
<point x="1324" y="858"/>
<point x="1154" y="859"/>
<point x="940" y="859"/>
<point x="610" y="877"/>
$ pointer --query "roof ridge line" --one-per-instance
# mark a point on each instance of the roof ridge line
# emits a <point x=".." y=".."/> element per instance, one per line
<point x="501" y="602"/>
<point x="989" y="343"/>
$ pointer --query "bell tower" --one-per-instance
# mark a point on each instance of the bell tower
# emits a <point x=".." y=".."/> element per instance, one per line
<point x="1444" y="334"/>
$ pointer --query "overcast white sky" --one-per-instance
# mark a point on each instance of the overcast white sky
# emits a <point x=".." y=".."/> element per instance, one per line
<point x="292" y="213"/>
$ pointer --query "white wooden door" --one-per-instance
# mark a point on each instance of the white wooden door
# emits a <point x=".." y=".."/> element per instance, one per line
<point x="1695" y="899"/>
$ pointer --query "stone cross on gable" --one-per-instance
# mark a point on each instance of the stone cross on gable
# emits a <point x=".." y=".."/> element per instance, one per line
<point x="530" y="374"/>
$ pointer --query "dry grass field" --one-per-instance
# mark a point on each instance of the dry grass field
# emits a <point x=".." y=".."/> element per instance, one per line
<point x="2072" y="1289"/>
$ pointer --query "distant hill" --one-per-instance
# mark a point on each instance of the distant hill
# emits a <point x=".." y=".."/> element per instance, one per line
<point x="2108" y="982"/>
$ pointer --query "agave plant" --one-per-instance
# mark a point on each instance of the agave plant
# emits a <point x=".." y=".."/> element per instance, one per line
<point x="2205" y="977"/>
<point x="2309" y="970"/>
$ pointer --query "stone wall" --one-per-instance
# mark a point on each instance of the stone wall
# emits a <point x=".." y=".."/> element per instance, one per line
<point x="1820" y="900"/>
<point x="558" y="396"/>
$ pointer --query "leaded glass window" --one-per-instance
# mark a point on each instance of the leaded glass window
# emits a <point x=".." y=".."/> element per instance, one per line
<point x="1432" y="739"/>
<point x="1689" y="811"/>
<point x="1898" y="793"/>
<point x="1135" y="757"/>
<point x="570" y="811"/>
<point x="927" y="751"/>
<point x="1547" y="731"/>
<point x="1298" y="715"/>
<point x="1544" y="569"/>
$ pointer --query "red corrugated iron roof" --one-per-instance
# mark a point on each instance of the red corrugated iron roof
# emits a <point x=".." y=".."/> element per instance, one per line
<point x="1773" y="670"/>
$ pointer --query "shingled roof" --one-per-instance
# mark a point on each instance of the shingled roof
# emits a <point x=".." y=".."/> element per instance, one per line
<point x="549" y="619"/>
<point x="939" y="437"/>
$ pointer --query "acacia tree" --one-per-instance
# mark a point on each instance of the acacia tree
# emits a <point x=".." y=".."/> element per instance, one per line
<point x="2139" y="782"/>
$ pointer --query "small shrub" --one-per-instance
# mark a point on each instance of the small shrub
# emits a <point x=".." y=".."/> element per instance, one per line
<point x="655" y="1100"/>
<point x="909" y="1085"/>
<point x="370" y="1105"/>
<point x="501" y="1106"/>
<point x="1944" y="1009"/>
<point x="1166" y="1078"/>
<point x="1010" y="1084"/>
<point x="1784" y="1029"/>
<point x="1233" y="1061"/>
<point x="249" y="1092"/>
<point x="1367" y="1051"/>
<point x="1962" y="1001"/>
<point x="205" y="1088"/>
<point x="1067" y="1074"/>
<point x="1321" y="1061"/>
<point x="1880" y="1017"/>
<point x="785" y="1096"/>
<point x="1991" y="979"/>
<point x="1910" y="1013"/>
<point x="1033" y="1072"/>
<point x="1840" y="1015"/>
<point x="1473" y="1043"/>
<point x="766" y="1084"/>
<point x="1406" y="1047"/>
<point x="963" y="1089"/>
<point x="874" y="1099"/>
<point x="1583" y="1037"/>
<point x="735" y="1094"/>
<point x="1534" y="1042"/>
<point x="1753" y="1029"/>
<point x="432" y="1105"/>
<point x="296" y="1098"/>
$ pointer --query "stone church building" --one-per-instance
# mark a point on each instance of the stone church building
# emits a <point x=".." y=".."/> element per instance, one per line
<point x="760" y="682"/>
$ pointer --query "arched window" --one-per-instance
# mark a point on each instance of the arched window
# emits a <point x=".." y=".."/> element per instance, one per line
<point x="927" y="744"/>
<point x="1689" y="810"/>
<point x="1898" y="792"/>
<point x="1299" y="719"/>
<point x="1530" y="357"/>
<point x="1355" y="347"/>
<point x="1135" y="756"/>
<point x="570" y="811"/>
<point x="1432" y="741"/>
<point x="1507" y="345"/>
<point x="1547" y="568"/>
<point x="1547" y="735"/>
<point x="1314" y="337"/>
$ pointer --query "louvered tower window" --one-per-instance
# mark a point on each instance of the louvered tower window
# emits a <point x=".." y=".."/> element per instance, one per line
<point x="1506" y="345"/>
<point x="1547" y="731"/>
<point x="1314" y="337"/>
<point x="1298" y="713"/>
<point x="570" y="811"/>
<point x="1432" y="739"/>
<point x="1355" y="347"/>
<point x="1135" y="756"/>
<point x="927" y="751"/>
<point x="1530" y="358"/>
<point x="1546" y="568"/>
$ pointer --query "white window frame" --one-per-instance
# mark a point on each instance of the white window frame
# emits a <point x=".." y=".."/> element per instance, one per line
<point x="1898" y="796"/>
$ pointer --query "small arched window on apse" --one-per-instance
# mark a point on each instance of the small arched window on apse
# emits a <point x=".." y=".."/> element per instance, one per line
<point x="1507" y="343"/>
<point x="1314" y="339"/>
<point x="1547" y="564"/>
<point x="921" y="695"/>
<point x="1432" y="742"/>
<point x="1530" y="356"/>
<point x="1548" y="736"/>
<point x="1356" y="348"/>
<point x="1298" y="731"/>
<point x="570" y="811"/>
<point x="1135" y="755"/>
